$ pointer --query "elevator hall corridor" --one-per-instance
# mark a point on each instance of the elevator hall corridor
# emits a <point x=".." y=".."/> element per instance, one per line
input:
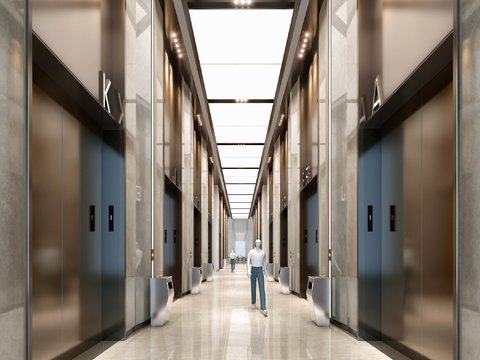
<point x="218" y="323"/>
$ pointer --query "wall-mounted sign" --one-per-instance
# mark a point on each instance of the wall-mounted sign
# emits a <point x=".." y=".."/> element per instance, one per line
<point x="377" y="95"/>
<point x="104" y="87"/>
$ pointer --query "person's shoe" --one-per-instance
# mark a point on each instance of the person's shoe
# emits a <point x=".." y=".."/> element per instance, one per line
<point x="264" y="312"/>
<point x="253" y="307"/>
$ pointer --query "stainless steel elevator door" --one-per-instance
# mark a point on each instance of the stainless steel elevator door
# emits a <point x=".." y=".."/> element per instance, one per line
<point x="438" y="174"/>
<point x="46" y="255"/>
<point x="417" y="252"/>
<point x="66" y="252"/>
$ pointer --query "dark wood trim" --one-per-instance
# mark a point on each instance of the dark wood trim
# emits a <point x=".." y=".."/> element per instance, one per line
<point x="344" y="327"/>
<point x="433" y="74"/>
<point x="61" y="80"/>
<point x="234" y="101"/>
<point x="240" y="144"/>
<point x="221" y="4"/>
<point x="169" y="184"/>
<point x="240" y="168"/>
<point x="137" y="327"/>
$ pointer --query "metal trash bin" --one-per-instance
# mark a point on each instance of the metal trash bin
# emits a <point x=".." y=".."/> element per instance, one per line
<point x="209" y="271"/>
<point x="270" y="272"/>
<point x="161" y="296"/>
<point x="195" y="279"/>
<point x="284" y="279"/>
<point x="318" y="297"/>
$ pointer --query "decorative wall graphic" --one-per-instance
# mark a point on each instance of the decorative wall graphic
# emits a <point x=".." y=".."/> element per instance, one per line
<point x="363" y="113"/>
<point x="120" y="107"/>
<point x="377" y="95"/>
<point x="104" y="88"/>
<point x="104" y="85"/>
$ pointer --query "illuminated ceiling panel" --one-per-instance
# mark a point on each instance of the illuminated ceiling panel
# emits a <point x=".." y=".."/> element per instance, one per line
<point x="241" y="36"/>
<point x="240" y="135"/>
<point x="240" y="198"/>
<point x="240" y="81"/>
<point x="240" y="114"/>
<point x="237" y="205"/>
<point x="239" y="189"/>
<point x="240" y="54"/>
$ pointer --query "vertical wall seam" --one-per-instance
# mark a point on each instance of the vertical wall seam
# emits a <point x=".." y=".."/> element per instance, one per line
<point x="153" y="134"/>
<point x="27" y="241"/>
<point x="457" y="61"/>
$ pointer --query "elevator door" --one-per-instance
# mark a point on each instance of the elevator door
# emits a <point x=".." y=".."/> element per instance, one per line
<point x="169" y="245"/>
<point x="309" y="237"/>
<point x="210" y="242"/>
<point x="417" y="230"/>
<point x="284" y="238"/>
<point x="197" y="238"/>
<point x="66" y="230"/>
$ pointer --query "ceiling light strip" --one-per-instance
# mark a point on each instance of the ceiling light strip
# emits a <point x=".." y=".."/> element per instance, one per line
<point x="298" y="19"/>
<point x="185" y="23"/>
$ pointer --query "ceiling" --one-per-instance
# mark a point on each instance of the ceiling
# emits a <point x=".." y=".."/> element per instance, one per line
<point x="240" y="53"/>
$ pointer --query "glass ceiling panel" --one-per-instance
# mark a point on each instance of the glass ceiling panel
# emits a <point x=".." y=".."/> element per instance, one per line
<point x="241" y="36"/>
<point x="240" y="135"/>
<point x="240" y="189"/>
<point x="240" y="217"/>
<point x="237" y="179"/>
<point x="240" y="114"/>
<point x="240" y="173"/>
<point x="240" y="81"/>
<point x="240" y="198"/>
<point x="240" y="53"/>
<point x="252" y="151"/>
<point x="240" y="162"/>
<point x="243" y="212"/>
<point x="237" y="205"/>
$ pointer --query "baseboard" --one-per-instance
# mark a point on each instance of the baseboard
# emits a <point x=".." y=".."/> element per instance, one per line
<point x="137" y="327"/>
<point x="344" y="327"/>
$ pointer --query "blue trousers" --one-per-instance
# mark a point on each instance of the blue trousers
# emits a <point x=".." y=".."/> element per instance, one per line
<point x="257" y="273"/>
<point x="232" y="264"/>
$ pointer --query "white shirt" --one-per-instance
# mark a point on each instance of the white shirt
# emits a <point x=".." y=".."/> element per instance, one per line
<point x="256" y="258"/>
<point x="233" y="255"/>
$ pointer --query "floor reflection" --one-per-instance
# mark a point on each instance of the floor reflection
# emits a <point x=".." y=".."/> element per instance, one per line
<point x="219" y="324"/>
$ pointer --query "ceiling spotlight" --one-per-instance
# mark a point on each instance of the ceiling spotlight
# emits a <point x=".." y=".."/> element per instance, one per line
<point x="304" y="46"/>
<point x="180" y="56"/>
<point x="174" y="35"/>
<point x="175" y="40"/>
<point x="249" y="2"/>
<point x="236" y="2"/>
<point x="305" y="40"/>
<point x="302" y="51"/>
<point x="300" y="56"/>
<point x="307" y="34"/>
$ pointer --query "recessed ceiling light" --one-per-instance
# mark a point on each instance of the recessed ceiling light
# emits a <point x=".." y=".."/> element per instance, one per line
<point x="236" y="2"/>
<point x="304" y="46"/>
<point x="175" y="41"/>
<point x="249" y="2"/>
<point x="180" y="56"/>
<point x="174" y="35"/>
<point x="307" y="34"/>
<point x="300" y="56"/>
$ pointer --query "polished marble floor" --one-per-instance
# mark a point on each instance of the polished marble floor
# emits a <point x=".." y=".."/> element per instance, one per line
<point x="219" y="323"/>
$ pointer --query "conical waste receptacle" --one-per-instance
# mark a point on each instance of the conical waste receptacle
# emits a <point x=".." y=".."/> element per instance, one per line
<point x="161" y="296"/>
